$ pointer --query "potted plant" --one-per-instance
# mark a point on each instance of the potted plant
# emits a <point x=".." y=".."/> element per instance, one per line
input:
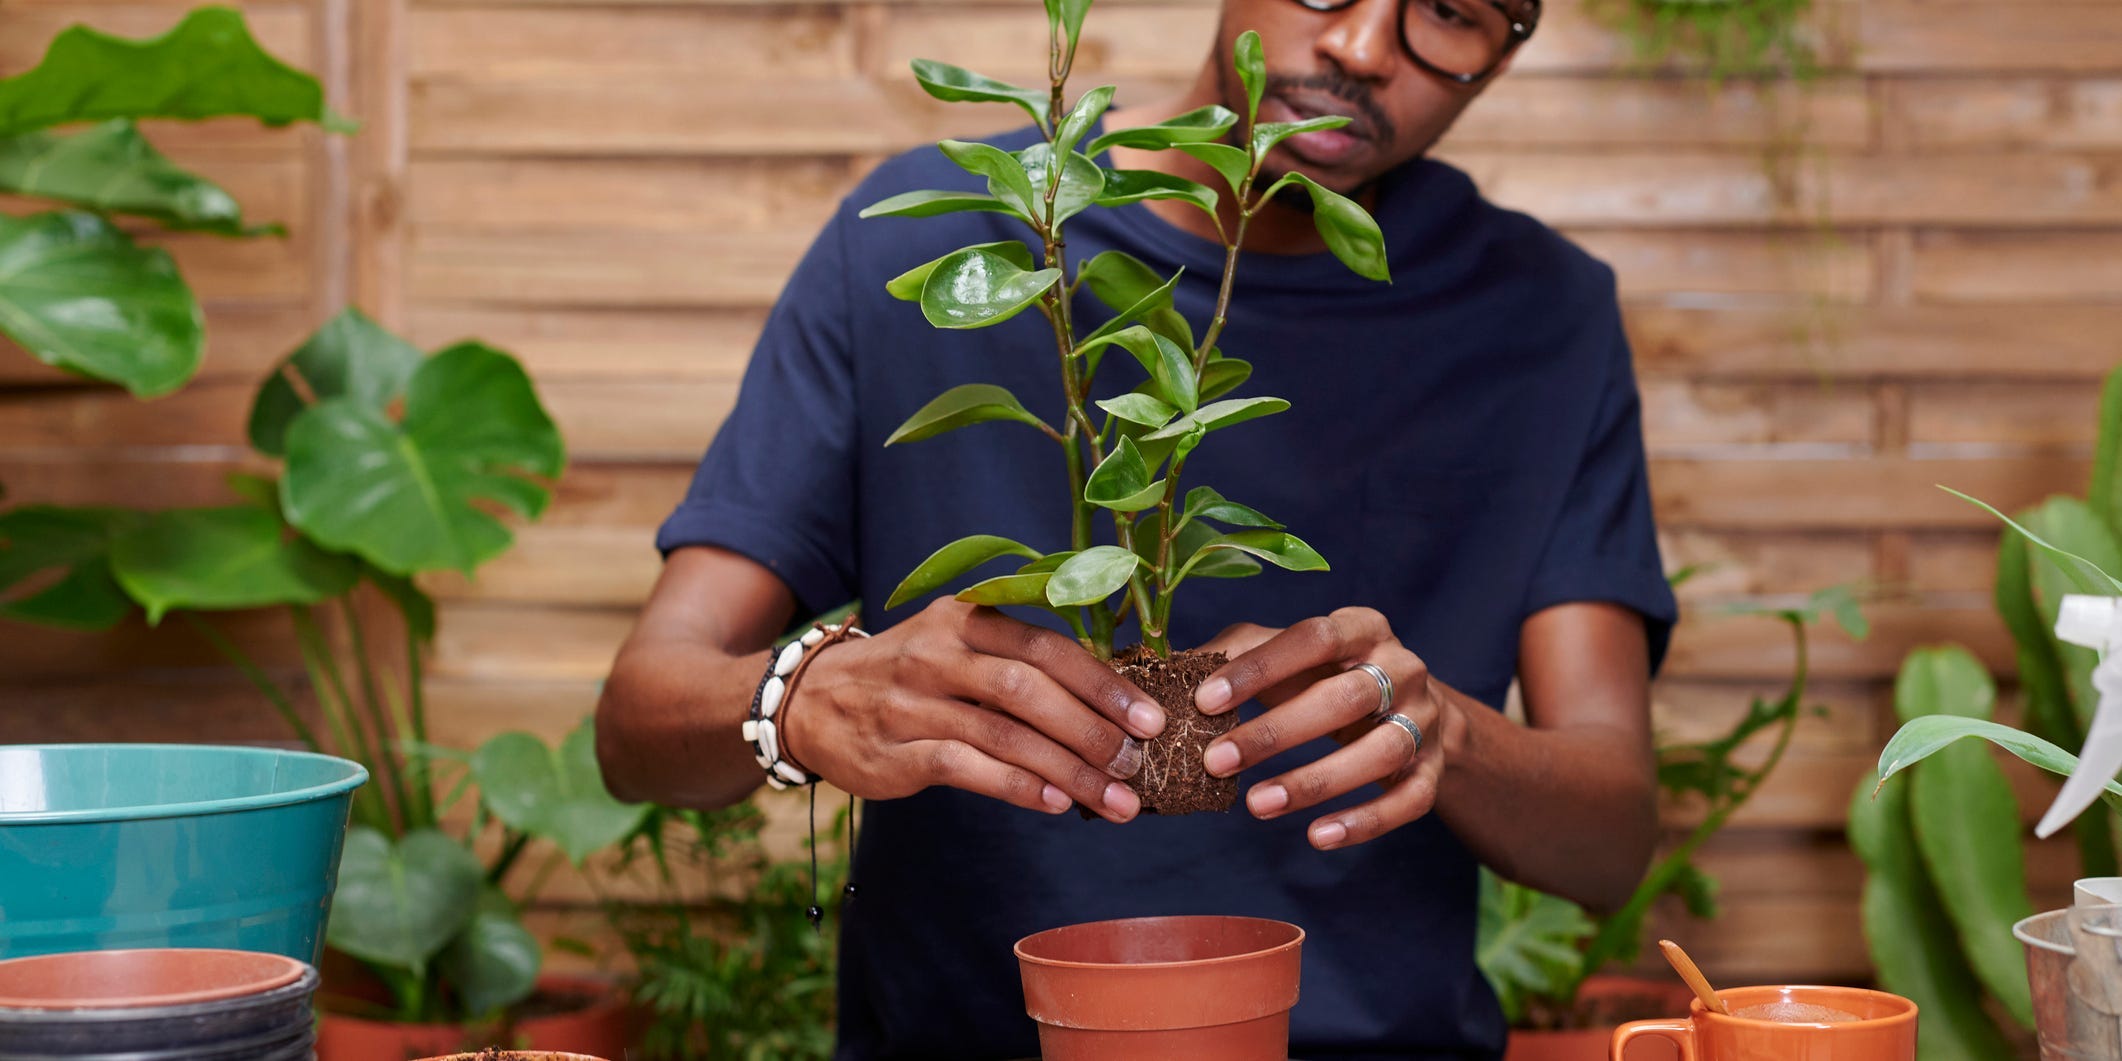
<point x="1546" y="958"/>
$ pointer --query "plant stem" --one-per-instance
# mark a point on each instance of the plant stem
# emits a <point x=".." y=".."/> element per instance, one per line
<point x="393" y="779"/>
<point x="345" y="725"/>
<point x="257" y="677"/>
<point x="512" y="845"/>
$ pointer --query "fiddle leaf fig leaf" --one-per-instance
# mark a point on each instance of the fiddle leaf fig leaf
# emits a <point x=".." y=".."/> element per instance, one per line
<point x="1216" y="415"/>
<point x="398" y="904"/>
<point x="955" y="559"/>
<point x="76" y="542"/>
<point x="1008" y="589"/>
<point x="1135" y="293"/>
<point x="958" y="85"/>
<point x="208" y="66"/>
<point x="80" y="295"/>
<point x="1091" y="576"/>
<point x="1006" y="176"/>
<point x="112" y="169"/>
<point x="406" y="495"/>
<point x="1221" y="375"/>
<point x="350" y="357"/>
<point x="906" y="287"/>
<point x="970" y="403"/>
<point x="974" y="288"/>
<point x="218" y="559"/>
<point x="554" y="794"/>
<point x="1205" y="503"/>
<point x="1229" y="162"/>
<point x="1121" y="481"/>
<point x="1088" y="108"/>
<point x="931" y="203"/>
<point x="1252" y="72"/>
<point x="1139" y="409"/>
<point x="1200" y="125"/>
<point x="1347" y="228"/>
<point x="1282" y="549"/>
<point x="1267" y="134"/>
<point x="1123" y="186"/>
<point x="1082" y="181"/>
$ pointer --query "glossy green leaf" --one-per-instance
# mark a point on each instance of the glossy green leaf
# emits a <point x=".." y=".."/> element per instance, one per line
<point x="1006" y="176"/>
<point x="1205" y="503"/>
<point x="1047" y="563"/>
<point x="974" y="288"/>
<point x="1082" y="181"/>
<point x="1008" y="589"/>
<point x="350" y="357"/>
<point x="1910" y="937"/>
<point x="1218" y="415"/>
<point x="1135" y="294"/>
<point x="1348" y="229"/>
<point x="398" y="904"/>
<point x="2043" y="686"/>
<point x="112" y="169"/>
<point x="1089" y="107"/>
<point x="409" y="496"/>
<point x="1252" y="72"/>
<point x="970" y="403"/>
<point x="1267" y="134"/>
<point x="1527" y="944"/>
<point x="494" y="962"/>
<point x="259" y="490"/>
<point x="1091" y="576"/>
<point x="954" y="560"/>
<point x="75" y="542"/>
<point x="1067" y="17"/>
<point x="1221" y="563"/>
<point x="1284" y="550"/>
<point x="1123" y="186"/>
<point x="1229" y="162"/>
<point x="1840" y="601"/>
<point x="1121" y="481"/>
<point x="906" y="287"/>
<point x="2105" y="494"/>
<point x="222" y="559"/>
<point x="553" y="794"/>
<point x="78" y="294"/>
<point x="1221" y="375"/>
<point x="931" y="203"/>
<point x="959" y="85"/>
<point x="1170" y="369"/>
<point x="1200" y="125"/>
<point x="1920" y="738"/>
<point x="2085" y="575"/>
<point x="1139" y="409"/>
<point x="2072" y="525"/>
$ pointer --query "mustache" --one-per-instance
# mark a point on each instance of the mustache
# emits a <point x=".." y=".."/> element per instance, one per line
<point x="1373" y="123"/>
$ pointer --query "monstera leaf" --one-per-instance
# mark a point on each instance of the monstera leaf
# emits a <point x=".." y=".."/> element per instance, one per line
<point x="76" y="541"/>
<point x="556" y="794"/>
<point x="242" y="556"/>
<point x="112" y="169"/>
<point x="208" y="66"/>
<point x="399" y="904"/>
<point x="407" y="495"/>
<point x="350" y="357"/>
<point x="79" y="295"/>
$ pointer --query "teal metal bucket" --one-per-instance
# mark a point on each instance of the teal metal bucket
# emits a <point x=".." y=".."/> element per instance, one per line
<point x="106" y="846"/>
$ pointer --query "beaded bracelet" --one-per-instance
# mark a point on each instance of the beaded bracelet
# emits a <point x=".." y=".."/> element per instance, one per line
<point x="783" y="668"/>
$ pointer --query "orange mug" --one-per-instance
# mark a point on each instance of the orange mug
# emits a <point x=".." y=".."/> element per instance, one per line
<point x="1884" y="1028"/>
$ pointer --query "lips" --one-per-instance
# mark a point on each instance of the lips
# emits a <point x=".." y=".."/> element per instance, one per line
<point x="1325" y="149"/>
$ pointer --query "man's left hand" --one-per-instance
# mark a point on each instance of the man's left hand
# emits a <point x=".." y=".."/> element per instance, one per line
<point x="1310" y="679"/>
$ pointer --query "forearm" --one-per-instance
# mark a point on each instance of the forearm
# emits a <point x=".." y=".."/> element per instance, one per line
<point x="1571" y="811"/>
<point x="669" y="724"/>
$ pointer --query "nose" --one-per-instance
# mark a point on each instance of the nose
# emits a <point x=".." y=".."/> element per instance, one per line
<point x="1361" y="39"/>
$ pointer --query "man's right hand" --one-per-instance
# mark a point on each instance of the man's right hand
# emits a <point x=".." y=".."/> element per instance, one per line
<point x="965" y="696"/>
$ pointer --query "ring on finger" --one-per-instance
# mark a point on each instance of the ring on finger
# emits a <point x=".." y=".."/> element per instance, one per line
<point x="1397" y="719"/>
<point x="1385" y="688"/>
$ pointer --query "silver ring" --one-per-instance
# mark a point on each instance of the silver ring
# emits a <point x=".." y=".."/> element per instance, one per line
<point x="1406" y="723"/>
<point x="1385" y="688"/>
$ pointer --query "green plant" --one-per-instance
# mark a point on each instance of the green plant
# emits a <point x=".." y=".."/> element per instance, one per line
<point x="76" y="291"/>
<point x="1119" y="465"/>
<point x="1946" y="876"/>
<point x="1537" y="949"/>
<point x="743" y="978"/>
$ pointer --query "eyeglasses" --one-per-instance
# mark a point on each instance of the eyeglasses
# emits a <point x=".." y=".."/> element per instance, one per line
<point x="1460" y="40"/>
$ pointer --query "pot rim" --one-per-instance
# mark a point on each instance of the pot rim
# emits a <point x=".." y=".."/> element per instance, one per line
<point x="1697" y="1009"/>
<point x="285" y="971"/>
<point x="1191" y="963"/>
<point x="354" y="777"/>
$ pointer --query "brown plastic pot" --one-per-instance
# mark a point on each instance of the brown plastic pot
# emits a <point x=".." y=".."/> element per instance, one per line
<point x="157" y="1005"/>
<point x="601" y="1028"/>
<point x="126" y="979"/>
<point x="1173" y="988"/>
<point x="1666" y="997"/>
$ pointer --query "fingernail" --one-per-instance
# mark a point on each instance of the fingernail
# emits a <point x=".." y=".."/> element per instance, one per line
<point x="1329" y="835"/>
<point x="1213" y="694"/>
<point x="1221" y="759"/>
<point x="1128" y="761"/>
<point x="1055" y="799"/>
<point x="1267" y="799"/>
<point x="1146" y="717"/>
<point x="1121" y="800"/>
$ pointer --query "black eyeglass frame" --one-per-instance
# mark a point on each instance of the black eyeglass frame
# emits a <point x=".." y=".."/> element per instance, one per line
<point x="1521" y="30"/>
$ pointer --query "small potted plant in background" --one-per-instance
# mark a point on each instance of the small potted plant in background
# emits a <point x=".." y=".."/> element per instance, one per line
<point x="1546" y="958"/>
<point x="1128" y="465"/>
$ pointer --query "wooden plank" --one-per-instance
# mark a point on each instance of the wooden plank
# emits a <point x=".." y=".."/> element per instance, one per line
<point x="1618" y="113"/>
<point x="1732" y="648"/>
<point x="660" y="269"/>
<point x="1849" y="494"/>
<point x="1769" y="940"/>
<point x="768" y="42"/>
<point x="1953" y="563"/>
<point x="89" y="422"/>
<point x="1803" y="338"/>
<point x="2053" y="416"/>
<point x="252" y="269"/>
<point x="559" y="344"/>
<point x="2046" y="113"/>
<point x="1680" y="416"/>
<point x="717" y="194"/>
<point x="1665" y="263"/>
<point x="270" y="190"/>
<point x="1164" y="43"/>
<point x="492" y="641"/>
<point x="34" y="654"/>
<point x="244" y="341"/>
<point x="599" y="566"/>
<point x="208" y="704"/>
<point x="2018" y="267"/>
<point x="1743" y="564"/>
<point x="1685" y="710"/>
<point x="27" y="29"/>
<point x="1919" y="39"/>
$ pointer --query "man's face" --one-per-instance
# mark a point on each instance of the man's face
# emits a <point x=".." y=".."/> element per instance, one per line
<point x="1347" y="62"/>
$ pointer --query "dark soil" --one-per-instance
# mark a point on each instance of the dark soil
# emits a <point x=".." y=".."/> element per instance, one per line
<point x="1172" y="780"/>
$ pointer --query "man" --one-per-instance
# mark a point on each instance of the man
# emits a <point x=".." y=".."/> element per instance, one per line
<point x="1463" y="446"/>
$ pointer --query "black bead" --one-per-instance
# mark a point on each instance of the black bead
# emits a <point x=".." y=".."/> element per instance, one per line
<point x="816" y="916"/>
<point x="849" y="890"/>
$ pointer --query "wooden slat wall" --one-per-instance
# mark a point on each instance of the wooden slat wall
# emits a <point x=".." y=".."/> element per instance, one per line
<point x="615" y="190"/>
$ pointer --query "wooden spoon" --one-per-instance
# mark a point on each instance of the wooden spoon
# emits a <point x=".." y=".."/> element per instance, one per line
<point x="1685" y="966"/>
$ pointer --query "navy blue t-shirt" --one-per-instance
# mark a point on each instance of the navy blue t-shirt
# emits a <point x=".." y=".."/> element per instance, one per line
<point x="1462" y="445"/>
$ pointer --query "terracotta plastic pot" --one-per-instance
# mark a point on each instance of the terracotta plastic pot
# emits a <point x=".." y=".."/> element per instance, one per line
<point x="145" y="1005"/>
<point x="1173" y="988"/>
<point x="1670" y="997"/>
<point x="600" y="1029"/>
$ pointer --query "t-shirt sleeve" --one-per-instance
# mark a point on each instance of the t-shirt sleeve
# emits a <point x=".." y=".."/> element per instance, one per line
<point x="778" y="483"/>
<point x="1604" y="544"/>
